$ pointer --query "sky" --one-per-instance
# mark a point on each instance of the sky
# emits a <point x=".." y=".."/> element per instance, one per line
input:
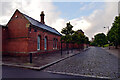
<point x="90" y="16"/>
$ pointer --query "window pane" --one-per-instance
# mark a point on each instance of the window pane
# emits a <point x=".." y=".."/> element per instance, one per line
<point x="56" y="43"/>
<point x="38" y="43"/>
<point x="45" y="42"/>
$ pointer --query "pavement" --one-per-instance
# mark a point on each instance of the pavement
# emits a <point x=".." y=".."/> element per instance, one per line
<point x="112" y="50"/>
<point x="95" y="62"/>
<point x="39" y="62"/>
<point x="115" y="52"/>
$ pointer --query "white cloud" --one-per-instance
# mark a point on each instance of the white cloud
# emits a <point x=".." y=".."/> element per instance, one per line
<point x="102" y="18"/>
<point x="80" y="24"/>
<point x="32" y="8"/>
<point x="96" y="22"/>
<point x="87" y="6"/>
<point x="89" y="24"/>
<point x="59" y="24"/>
<point x="7" y="9"/>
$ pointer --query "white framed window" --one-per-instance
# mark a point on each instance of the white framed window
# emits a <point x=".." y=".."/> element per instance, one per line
<point x="56" y="43"/>
<point x="38" y="43"/>
<point x="45" y="43"/>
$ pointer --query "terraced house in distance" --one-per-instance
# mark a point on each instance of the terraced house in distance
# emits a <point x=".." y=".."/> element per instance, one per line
<point x="23" y="35"/>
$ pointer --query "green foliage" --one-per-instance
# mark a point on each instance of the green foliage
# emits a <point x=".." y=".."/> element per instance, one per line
<point x="67" y="30"/>
<point x="87" y="40"/>
<point x="66" y="38"/>
<point x="114" y="33"/>
<point x="71" y="36"/>
<point x="93" y="44"/>
<point x="106" y="45"/>
<point x="79" y="38"/>
<point x="100" y="39"/>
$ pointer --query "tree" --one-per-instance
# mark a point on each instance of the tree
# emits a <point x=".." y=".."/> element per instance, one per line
<point x="100" y="39"/>
<point x="67" y="31"/>
<point x="78" y="38"/>
<point x="114" y="33"/>
<point x="71" y="36"/>
<point x="87" y="40"/>
<point x="93" y="43"/>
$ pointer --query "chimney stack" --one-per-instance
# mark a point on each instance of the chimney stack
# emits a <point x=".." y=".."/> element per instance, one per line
<point x="42" y="17"/>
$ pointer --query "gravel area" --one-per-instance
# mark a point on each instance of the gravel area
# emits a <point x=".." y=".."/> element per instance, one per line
<point x="93" y="62"/>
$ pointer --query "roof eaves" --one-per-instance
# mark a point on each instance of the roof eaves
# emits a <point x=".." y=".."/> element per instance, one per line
<point x="43" y="26"/>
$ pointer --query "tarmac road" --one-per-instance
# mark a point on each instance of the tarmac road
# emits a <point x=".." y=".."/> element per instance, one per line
<point x="15" y="72"/>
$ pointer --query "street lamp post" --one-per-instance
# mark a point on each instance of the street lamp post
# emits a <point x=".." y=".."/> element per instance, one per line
<point x="107" y="27"/>
<point x="108" y="41"/>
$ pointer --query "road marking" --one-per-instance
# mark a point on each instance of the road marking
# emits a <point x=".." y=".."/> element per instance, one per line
<point x="78" y="74"/>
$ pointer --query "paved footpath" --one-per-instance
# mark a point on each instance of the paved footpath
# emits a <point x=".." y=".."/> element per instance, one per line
<point x="112" y="50"/>
<point x="95" y="62"/>
<point x="38" y="61"/>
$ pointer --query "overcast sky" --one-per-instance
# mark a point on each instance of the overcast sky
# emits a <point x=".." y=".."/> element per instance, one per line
<point x="91" y="17"/>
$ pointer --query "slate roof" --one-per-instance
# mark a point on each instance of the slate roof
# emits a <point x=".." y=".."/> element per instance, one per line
<point x="39" y="24"/>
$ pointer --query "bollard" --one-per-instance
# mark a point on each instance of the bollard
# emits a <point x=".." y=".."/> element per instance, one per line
<point x="30" y="57"/>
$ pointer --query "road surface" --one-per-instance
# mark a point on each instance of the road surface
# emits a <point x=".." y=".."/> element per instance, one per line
<point x="15" y="72"/>
<point x="95" y="62"/>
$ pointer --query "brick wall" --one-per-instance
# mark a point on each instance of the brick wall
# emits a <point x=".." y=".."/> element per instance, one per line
<point x="17" y="34"/>
<point x="42" y="33"/>
<point x="4" y="38"/>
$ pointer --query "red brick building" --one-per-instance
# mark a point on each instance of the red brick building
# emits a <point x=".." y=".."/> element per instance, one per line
<point x="23" y="35"/>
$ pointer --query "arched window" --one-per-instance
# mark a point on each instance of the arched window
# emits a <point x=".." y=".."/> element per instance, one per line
<point x="45" y="43"/>
<point x="56" y="44"/>
<point x="38" y="43"/>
